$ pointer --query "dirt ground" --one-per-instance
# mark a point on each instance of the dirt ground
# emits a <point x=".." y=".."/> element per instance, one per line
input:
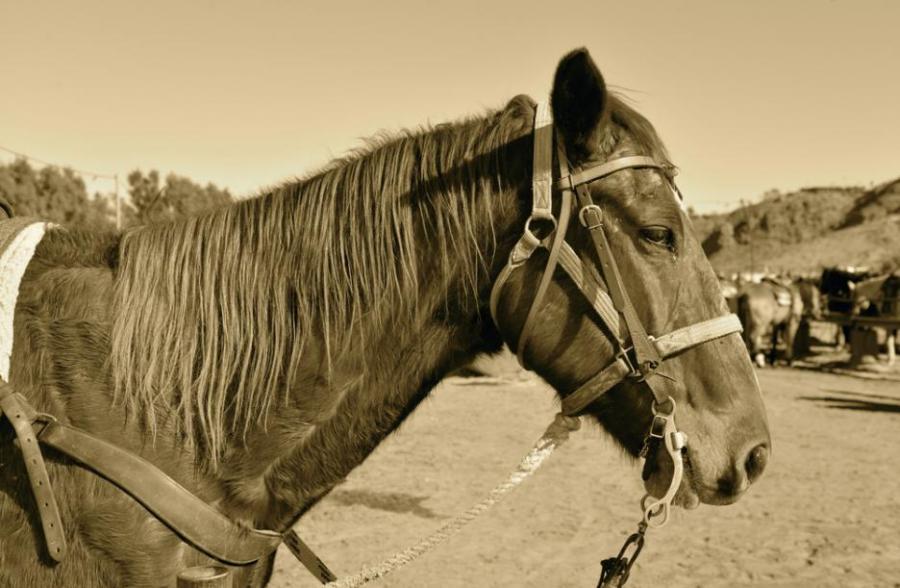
<point x="826" y="513"/>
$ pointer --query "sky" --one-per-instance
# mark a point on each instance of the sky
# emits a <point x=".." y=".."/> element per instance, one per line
<point x="748" y="96"/>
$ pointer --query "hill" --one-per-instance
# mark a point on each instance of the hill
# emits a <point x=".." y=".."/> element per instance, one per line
<point x="807" y="230"/>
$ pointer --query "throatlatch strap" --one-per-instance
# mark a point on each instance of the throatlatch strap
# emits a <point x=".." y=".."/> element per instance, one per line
<point x="559" y="239"/>
<point x="541" y="204"/>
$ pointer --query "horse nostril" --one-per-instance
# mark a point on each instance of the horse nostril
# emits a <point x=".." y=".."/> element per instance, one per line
<point x="756" y="462"/>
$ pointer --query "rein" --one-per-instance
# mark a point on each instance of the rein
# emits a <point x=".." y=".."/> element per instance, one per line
<point x="641" y="358"/>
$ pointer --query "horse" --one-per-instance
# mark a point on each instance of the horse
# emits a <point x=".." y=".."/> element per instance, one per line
<point x="731" y="289"/>
<point x="770" y="308"/>
<point x="811" y="297"/>
<point x="259" y="352"/>
<point x="838" y="286"/>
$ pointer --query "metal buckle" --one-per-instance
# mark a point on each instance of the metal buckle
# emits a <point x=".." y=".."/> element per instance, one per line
<point x="633" y="373"/>
<point x="583" y="219"/>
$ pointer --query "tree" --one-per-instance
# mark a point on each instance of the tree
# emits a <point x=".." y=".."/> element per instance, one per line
<point x="179" y="196"/>
<point x="54" y="194"/>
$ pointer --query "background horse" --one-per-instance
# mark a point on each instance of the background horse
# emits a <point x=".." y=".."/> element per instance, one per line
<point x="811" y="297"/>
<point x="258" y="353"/>
<point x="770" y="309"/>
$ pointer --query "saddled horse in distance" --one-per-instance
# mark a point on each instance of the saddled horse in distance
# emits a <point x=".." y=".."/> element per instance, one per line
<point x="260" y="352"/>
<point x="770" y="310"/>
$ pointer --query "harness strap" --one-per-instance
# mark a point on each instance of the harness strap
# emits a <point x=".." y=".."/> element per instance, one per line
<point x="193" y="520"/>
<point x="20" y="415"/>
<point x="666" y="346"/>
<point x="571" y="181"/>
<point x="647" y="356"/>
<point x="541" y="209"/>
<point x="189" y="517"/>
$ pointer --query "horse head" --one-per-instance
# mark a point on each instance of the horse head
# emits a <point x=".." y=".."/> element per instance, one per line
<point x="561" y="334"/>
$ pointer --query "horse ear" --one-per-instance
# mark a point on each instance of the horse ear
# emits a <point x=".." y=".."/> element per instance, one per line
<point x="578" y="100"/>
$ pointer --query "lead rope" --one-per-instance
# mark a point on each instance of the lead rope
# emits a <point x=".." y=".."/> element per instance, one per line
<point x="555" y="435"/>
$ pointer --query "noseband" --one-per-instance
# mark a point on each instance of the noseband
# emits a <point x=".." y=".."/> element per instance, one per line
<point x="642" y="357"/>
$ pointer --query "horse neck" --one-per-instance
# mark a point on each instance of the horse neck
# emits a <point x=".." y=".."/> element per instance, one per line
<point x="350" y="389"/>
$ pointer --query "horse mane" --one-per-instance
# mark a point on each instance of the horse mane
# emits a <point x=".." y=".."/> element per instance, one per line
<point x="213" y="312"/>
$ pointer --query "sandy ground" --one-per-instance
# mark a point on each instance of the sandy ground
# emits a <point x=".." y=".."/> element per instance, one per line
<point x="826" y="513"/>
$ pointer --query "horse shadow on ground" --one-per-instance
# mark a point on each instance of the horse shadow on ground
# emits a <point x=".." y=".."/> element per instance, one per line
<point x="397" y="502"/>
<point x="857" y="401"/>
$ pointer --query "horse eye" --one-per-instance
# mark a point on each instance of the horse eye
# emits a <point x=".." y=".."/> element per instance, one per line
<point x="658" y="236"/>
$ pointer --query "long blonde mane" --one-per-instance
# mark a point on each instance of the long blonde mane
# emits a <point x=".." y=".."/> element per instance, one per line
<point x="213" y="313"/>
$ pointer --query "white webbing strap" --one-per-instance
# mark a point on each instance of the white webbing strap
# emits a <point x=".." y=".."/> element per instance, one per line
<point x="692" y="335"/>
<point x="590" y="287"/>
<point x="542" y="177"/>
<point x="667" y="345"/>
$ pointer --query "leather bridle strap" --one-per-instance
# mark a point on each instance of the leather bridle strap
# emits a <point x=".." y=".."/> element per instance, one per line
<point x="666" y="346"/>
<point x="647" y="350"/>
<point x="19" y="413"/>
<point x="585" y="176"/>
<point x="541" y="210"/>
<point x="591" y="218"/>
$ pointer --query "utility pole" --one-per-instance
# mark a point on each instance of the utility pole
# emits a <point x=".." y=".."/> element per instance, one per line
<point x="118" y="205"/>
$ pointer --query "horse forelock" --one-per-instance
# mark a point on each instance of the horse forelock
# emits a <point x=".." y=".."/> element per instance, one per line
<point x="213" y="313"/>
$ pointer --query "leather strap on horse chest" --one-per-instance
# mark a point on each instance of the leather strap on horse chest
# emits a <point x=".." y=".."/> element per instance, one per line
<point x="20" y="415"/>
<point x="192" y="519"/>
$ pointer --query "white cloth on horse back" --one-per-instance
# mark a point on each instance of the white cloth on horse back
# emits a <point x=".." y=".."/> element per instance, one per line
<point x="19" y="237"/>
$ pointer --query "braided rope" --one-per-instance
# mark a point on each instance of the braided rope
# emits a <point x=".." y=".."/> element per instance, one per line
<point x="555" y="435"/>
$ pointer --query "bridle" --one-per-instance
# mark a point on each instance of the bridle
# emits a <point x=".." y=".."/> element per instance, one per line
<point x="645" y="354"/>
<point x="640" y="356"/>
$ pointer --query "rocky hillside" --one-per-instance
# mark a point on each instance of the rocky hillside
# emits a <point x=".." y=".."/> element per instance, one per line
<point x="806" y="230"/>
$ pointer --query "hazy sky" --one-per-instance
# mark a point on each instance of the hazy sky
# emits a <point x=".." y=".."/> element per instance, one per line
<point x="748" y="96"/>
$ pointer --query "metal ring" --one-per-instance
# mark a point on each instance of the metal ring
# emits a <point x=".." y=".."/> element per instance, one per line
<point x="532" y="217"/>
<point x="657" y="514"/>
<point x="655" y="407"/>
